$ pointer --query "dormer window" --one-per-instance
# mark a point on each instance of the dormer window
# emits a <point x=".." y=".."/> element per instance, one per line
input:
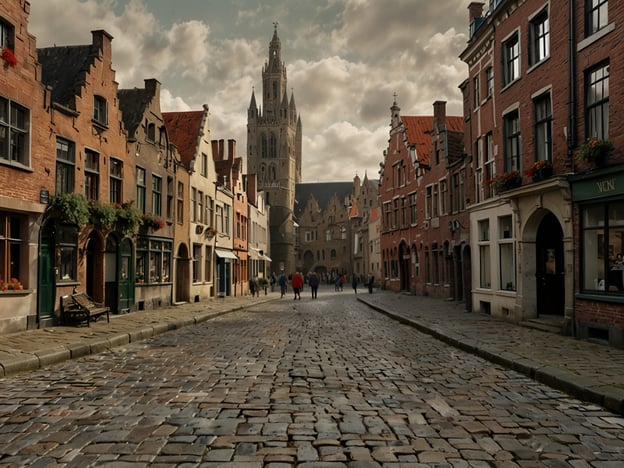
<point x="99" y="110"/>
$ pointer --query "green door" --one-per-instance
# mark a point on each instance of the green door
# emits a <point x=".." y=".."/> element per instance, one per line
<point x="126" y="275"/>
<point x="47" y="286"/>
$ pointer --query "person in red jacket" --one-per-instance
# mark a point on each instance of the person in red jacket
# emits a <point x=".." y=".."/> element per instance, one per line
<point x="297" y="284"/>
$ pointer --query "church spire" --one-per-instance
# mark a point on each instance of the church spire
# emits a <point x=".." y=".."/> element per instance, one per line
<point x="275" y="50"/>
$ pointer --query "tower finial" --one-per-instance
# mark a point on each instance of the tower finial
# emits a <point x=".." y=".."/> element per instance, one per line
<point x="275" y="23"/>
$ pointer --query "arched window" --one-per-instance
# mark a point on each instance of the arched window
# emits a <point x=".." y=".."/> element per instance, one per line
<point x="272" y="146"/>
<point x="263" y="144"/>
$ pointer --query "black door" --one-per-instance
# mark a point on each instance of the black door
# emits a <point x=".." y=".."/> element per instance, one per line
<point x="549" y="268"/>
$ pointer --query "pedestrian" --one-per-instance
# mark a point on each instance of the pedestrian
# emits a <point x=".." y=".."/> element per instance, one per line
<point x="297" y="284"/>
<point x="354" y="282"/>
<point x="369" y="282"/>
<point x="313" y="281"/>
<point x="337" y="283"/>
<point x="343" y="280"/>
<point x="252" y="287"/>
<point x="273" y="281"/>
<point x="282" y="283"/>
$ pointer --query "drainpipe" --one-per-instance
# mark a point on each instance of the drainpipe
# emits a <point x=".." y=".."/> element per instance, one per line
<point x="572" y="129"/>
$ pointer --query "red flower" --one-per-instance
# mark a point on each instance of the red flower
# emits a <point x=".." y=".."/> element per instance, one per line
<point x="9" y="57"/>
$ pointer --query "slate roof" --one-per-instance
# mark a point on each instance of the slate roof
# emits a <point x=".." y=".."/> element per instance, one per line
<point x="64" y="69"/>
<point x="133" y="103"/>
<point x="322" y="192"/>
<point x="184" y="129"/>
<point x="419" y="130"/>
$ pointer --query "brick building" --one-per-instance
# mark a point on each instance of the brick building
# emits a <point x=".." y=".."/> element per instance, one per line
<point x="537" y="89"/>
<point x="26" y="171"/>
<point x="422" y="196"/>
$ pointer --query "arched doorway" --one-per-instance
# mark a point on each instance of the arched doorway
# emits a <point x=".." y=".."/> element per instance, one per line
<point x="550" y="272"/>
<point x="182" y="280"/>
<point x="94" y="257"/>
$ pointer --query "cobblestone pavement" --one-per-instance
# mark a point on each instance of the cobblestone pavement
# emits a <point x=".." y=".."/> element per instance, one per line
<point x="310" y="383"/>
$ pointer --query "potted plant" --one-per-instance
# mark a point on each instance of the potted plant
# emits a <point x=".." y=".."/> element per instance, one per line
<point x="506" y="181"/>
<point x="103" y="215"/>
<point x="595" y="150"/>
<point x="128" y="218"/>
<point x="153" y="222"/>
<point x="540" y="170"/>
<point x="70" y="208"/>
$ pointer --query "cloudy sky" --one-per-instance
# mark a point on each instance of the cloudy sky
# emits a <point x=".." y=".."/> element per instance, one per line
<point x="345" y="59"/>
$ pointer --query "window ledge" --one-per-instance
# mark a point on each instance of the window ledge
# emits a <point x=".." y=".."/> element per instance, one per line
<point x="16" y="165"/>
<point x="510" y="84"/>
<point x="595" y="37"/>
<point x="601" y="298"/>
<point x="13" y="292"/>
<point x="537" y="64"/>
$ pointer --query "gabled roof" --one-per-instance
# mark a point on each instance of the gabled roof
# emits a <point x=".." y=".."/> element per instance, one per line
<point x="64" y="69"/>
<point x="184" y="129"/>
<point x="419" y="130"/>
<point x="133" y="103"/>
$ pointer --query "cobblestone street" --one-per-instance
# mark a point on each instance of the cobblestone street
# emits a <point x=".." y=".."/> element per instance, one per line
<point x="310" y="383"/>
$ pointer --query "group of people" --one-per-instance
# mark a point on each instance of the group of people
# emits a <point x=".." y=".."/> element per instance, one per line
<point x="297" y="282"/>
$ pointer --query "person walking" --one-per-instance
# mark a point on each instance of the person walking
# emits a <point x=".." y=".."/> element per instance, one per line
<point x="297" y="284"/>
<point x="313" y="281"/>
<point x="354" y="282"/>
<point x="369" y="282"/>
<point x="282" y="283"/>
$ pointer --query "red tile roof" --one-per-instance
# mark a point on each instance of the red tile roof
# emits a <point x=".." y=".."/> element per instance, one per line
<point x="184" y="129"/>
<point x="420" y="128"/>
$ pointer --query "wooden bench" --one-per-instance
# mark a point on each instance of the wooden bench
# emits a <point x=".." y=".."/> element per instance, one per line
<point x="81" y="308"/>
<point x="71" y="313"/>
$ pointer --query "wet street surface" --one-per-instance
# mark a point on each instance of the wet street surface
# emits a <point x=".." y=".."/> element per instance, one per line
<point x="312" y="383"/>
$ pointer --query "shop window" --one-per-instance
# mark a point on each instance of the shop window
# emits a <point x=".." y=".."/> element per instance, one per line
<point x="11" y="243"/>
<point x="67" y="253"/>
<point x="506" y="254"/>
<point x="485" y="269"/>
<point x="603" y="248"/>
<point x="197" y="262"/>
<point x="153" y="261"/>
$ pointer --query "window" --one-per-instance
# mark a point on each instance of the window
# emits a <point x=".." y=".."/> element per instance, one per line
<point x="153" y="261"/>
<point x="428" y="201"/>
<point x="200" y="206"/>
<point x="387" y="215"/>
<point x="14" y="133"/>
<point x="596" y="15"/>
<point x="395" y="213"/>
<point x="443" y="197"/>
<point x="539" y="38"/>
<point x="197" y="262"/>
<point x="226" y="219"/>
<point x="602" y="246"/>
<point x="67" y="253"/>
<point x="156" y="195"/>
<point x="475" y="86"/>
<point x="511" y="60"/>
<point x="11" y="246"/>
<point x="512" y="141"/>
<point x="99" y="110"/>
<point x="65" y="166"/>
<point x="403" y="212"/>
<point x="116" y="180"/>
<point x="92" y="174"/>
<point x="193" y="204"/>
<point x="485" y="273"/>
<point x="204" y="164"/>
<point x="413" y="208"/>
<point x="151" y="132"/>
<point x="543" y="128"/>
<point x="489" y="78"/>
<point x="209" y="210"/>
<point x="506" y="254"/>
<point x="180" y="203"/>
<point x="208" y="264"/>
<point x="237" y="223"/>
<point x="141" y="189"/>
<point x="219" y="218"/>
<point x="489" y="169"/>
<point x="328" y="235"/>
<point x="169" y="207"/>
<point x="597" y="102"/>
<point x="6" y="35"/>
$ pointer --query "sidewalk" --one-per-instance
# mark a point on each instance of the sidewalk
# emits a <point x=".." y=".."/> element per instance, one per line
<point x="585" y="370"/>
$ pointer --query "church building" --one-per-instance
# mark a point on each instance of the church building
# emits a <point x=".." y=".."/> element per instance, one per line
<point x="274" y="139"/>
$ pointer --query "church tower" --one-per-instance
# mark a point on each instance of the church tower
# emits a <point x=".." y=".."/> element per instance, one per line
<point x="274" y="154"/>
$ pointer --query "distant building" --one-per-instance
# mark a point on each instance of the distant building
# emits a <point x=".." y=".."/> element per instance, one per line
<point x="274" y="139"/>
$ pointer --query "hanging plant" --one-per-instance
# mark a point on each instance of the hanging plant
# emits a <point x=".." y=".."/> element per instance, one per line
<point x="128" y="218"/>
<point x="153" y="222"/>
<point x="70" y="208"/>
<point x="103" y="215"/>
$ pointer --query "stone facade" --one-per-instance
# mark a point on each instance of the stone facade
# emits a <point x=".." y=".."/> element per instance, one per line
<point x="274" y="139"/>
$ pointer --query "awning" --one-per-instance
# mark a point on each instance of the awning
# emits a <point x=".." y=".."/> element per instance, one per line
<point x="225" y="254"/>
<point x="254" y="254"/>
<point x="267" y="258"/>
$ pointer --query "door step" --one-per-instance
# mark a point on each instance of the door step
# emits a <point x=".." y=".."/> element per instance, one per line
<point x="552" y="324"/>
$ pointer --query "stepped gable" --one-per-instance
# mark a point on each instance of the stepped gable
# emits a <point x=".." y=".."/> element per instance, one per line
<point x="322" y="192"/>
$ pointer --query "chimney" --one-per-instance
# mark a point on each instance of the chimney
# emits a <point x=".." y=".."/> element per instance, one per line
<point x="439" y="114"/>
<point x="231" y="149"/>
<point x="152" y="85"/>
<point x="475" y="10"/>
<point x="217" y="150"/>
<point x="252" y="189"/>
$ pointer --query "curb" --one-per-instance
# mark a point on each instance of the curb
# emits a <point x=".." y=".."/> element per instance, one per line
<point x="585" y="389"/>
